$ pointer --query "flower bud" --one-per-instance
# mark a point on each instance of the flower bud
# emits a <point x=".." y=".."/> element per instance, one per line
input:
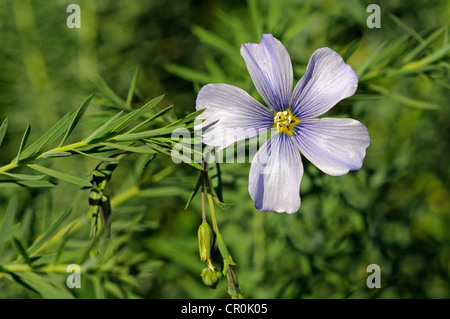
<point x="210" y="277"/>
<point x="205" y="239"/>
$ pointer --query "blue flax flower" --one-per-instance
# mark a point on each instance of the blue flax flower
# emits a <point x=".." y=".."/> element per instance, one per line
<point x="334" y="145"/>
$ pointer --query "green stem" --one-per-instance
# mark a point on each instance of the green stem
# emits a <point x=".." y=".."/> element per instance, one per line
<point x="61" y="268"/>
<point x="8" y="167"/>
<point x="227" y="259"/>
<point x="206" y="184"/>
<point x="66" y="148"/>
<point x="203" y="200"/>
<point x="202" y="188"/>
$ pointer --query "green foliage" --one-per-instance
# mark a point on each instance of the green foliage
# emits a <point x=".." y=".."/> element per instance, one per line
<point x="109" y="137"/>
<point x="393" y="212"/>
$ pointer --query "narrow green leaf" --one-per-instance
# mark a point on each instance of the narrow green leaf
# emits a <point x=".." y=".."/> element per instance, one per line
<point x="23" y="183"/>
<point x="236" y="26"/>
<point x="391" y="51"/>
<point x="124" y="121"/>
<point x="424" y="105"/>
<point x="76" y="118"/>
<point x="27" y="220"/>
<point x="351" y="49"/>
<point x="187" y="118"/>
<point x="172" y="140"/>
<point x="61" y="245"/>
<point x="8" y="219"/>
<point x="223" y="205"/>
<point x="168" y="191"/>
<point x="369" y="61"/>
<point x="256" y="17"/>
<point x="22" y="251"/>
<point x="406" y="28"/>
<point x="99" y="289"/>
<point x="143" y="135"/>
<point x="224" y="250"/>
<point x="194" y="192"/>
<point x="435" y="56"/>
<point x="49" y="137"/>
<point x="215" y="176"/>
<point x="365" y="96"/>
<point x="214" y="173"/>
<point x="103" y="129"/>
<point x="274" y="16"/>
<point x="150" y="119"/>
<point x="411" y="55"/>
<point x="303" y="18"/>
<point x="35" y="184"/>
<point x="132" y="149"/>
<point x="193" y="145"/>
<point x="44" y="287"/>
<point x="182" y="157"/>
<point x="85" y="253"/>
<point x="188" y="74"/>
<point x="215" y="70"/>
<point x="3" y="130"/>
<point x="132" y="88"/>
<point x="418" y="104"/>
<point x="23" y="142"/>
<point x="408" y="69"/>
<point x="49" y="232"/>
<point x="60" y="175"/>
<point x="114" y="289"/>
<point x="56" y="154"/>
<point x="107" y="92"/>
<point x="218" y="43"/>
<point x="25" y="177"/>
<point x="96" y="157"/>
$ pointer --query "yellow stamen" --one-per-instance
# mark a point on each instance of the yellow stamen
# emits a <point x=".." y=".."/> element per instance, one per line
<point x="285" y="122"/>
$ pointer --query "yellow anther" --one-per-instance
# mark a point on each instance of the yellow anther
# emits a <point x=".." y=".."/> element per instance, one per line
<point x="285" y="122"/>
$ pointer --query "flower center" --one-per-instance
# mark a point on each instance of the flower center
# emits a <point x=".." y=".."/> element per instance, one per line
<point x="285" y="122"/>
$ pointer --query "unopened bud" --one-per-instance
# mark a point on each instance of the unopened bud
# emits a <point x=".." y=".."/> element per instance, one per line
<point x="205" y="239"/>
<point x="210" y="277"/>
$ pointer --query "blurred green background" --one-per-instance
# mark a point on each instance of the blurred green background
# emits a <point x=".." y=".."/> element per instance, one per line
<point x="393" y="212"/>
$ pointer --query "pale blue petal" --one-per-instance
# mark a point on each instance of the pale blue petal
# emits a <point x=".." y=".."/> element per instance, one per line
<point x="275" y="175"/>
<point x="231" y="115"/>
<point x="334" y="145"/>
<point x="327" y="81"/>
<point x="270" y="68"/>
